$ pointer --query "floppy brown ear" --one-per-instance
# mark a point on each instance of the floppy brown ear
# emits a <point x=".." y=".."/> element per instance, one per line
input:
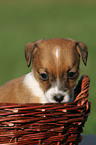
<point x="82" y="50"/>
<point x="30" y="49"/>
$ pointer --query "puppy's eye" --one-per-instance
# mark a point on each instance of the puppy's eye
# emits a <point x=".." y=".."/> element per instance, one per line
<point x="71" y="74"/>
<point x="44" y="76"/>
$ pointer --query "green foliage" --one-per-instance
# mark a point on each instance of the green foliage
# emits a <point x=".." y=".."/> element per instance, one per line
<point x="22" y="21"/>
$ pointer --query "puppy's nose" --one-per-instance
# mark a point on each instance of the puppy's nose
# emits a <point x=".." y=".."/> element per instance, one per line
<point x="58" y="98"/>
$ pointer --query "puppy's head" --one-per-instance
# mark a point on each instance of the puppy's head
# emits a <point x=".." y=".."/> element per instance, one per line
<point x="56" y="66"/>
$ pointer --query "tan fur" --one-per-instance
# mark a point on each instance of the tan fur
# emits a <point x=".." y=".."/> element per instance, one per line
<point x="14" y="91"/>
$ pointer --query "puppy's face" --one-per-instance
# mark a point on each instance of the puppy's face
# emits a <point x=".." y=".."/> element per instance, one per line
<point x="56" y="66"/>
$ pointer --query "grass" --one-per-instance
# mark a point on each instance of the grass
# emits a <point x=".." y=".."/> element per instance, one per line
<point x="23" y="21"/>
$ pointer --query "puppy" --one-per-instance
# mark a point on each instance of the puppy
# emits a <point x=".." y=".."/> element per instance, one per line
<point x="54" y="73"/>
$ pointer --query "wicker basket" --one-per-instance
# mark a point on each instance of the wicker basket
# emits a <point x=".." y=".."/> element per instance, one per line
<point x="47" y="124"/>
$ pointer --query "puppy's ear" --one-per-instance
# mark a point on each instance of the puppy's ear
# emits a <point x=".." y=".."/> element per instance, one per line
<point x="30" y="50"/>
<point x="82" y="50"/>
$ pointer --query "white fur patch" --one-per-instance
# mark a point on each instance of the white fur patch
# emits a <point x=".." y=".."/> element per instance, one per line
<point x="31" y="83"/>
<point x="57" y="55"/>
<point x="57" y="52"/>
<point x="53" y="91"/>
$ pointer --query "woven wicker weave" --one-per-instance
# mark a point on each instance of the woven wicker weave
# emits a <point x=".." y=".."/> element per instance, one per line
<point x="47" y="124"/>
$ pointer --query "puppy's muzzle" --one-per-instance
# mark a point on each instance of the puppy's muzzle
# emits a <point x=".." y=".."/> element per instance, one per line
<point x="58" y="98"/>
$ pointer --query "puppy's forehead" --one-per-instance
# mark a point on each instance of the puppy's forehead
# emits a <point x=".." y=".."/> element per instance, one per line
<point x="55" y="46"/>
<point x="57" y="53"/>
<point x="63" y="45"/>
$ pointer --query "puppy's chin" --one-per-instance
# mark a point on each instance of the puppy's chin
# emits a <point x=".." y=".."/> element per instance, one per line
<point x="54" y="91"/>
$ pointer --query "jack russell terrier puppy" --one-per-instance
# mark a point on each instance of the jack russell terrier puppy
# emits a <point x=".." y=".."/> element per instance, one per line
<point x="55" y="69"/>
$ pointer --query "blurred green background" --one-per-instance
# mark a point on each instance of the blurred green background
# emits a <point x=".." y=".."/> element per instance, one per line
<point x="22" y="21"/>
